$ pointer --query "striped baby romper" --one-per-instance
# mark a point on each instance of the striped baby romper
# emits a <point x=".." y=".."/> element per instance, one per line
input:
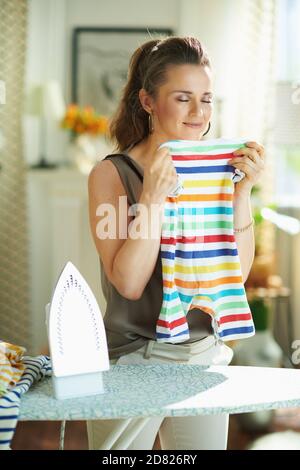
<point x="200" y="262"/>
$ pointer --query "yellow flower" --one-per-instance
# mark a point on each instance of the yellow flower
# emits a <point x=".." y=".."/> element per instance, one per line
<point x="84" y="119"/>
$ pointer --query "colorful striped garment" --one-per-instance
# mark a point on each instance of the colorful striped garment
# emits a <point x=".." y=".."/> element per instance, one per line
<point x="35" y="369"/>
<point x="200" y="262"/>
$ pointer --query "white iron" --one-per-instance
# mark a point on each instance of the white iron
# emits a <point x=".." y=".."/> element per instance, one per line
<point x="77" y="338"/>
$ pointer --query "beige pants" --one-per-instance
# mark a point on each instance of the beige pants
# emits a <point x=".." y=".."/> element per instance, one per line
<point x="175" y="433"/>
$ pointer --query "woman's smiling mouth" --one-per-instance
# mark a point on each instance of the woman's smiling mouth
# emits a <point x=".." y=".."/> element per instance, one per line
<point x="193" y="126"/>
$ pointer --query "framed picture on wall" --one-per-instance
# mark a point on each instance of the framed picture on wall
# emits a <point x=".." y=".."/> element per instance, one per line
<point x="100" y="59"/>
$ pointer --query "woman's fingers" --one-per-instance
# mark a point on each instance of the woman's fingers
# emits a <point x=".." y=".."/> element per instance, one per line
<point x="259" y="148"/>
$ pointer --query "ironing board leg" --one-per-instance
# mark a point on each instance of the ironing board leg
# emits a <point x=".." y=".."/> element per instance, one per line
<point x="125" y="433"/>
<point x="62" y="435"/>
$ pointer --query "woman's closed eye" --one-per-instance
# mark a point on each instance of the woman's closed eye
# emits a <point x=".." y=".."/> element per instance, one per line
<point x="186" y="101"/>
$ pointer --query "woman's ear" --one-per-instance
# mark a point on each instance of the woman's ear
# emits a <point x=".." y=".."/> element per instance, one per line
<point x="145" y="100"/>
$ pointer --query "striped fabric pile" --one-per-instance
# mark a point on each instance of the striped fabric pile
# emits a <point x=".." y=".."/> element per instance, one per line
<point x="11" y="365"/>
<point x="29" y="370"/>
<point x="200" y="262"/>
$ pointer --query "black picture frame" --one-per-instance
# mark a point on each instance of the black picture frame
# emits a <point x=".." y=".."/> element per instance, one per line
<point x="100" y="59"/>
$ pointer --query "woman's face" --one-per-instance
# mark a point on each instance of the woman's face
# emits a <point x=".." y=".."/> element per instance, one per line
<point x="185" y="99"/>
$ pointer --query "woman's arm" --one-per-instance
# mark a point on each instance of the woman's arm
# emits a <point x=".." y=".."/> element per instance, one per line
<point x="128" y="262"/>
<point x="136" y="260"/>
<point x="129" y="259"/>
<point x="245" y="240"/>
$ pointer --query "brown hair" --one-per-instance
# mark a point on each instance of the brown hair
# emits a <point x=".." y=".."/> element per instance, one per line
<point x="147" y="69"/>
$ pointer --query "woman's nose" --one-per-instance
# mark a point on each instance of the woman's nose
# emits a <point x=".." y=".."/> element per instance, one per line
<point x="197" y="110"/>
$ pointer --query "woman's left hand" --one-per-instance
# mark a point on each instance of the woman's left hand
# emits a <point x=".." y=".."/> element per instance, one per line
<point x="250" y="160"/>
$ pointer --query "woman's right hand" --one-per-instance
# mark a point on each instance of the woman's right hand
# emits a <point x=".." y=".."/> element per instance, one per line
<point x="160" y="176"/>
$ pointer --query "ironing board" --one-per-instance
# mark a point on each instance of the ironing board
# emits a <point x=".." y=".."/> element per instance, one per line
<point x="133" y="391"/>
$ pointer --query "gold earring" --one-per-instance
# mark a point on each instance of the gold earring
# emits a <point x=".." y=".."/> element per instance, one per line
<point x="207" y="129"/>
<point x="150" y="121"/>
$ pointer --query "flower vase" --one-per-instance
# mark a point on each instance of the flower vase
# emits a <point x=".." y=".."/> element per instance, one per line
<point x="87" y="149"/>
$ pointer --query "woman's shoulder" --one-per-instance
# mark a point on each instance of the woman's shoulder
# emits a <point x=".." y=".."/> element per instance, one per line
<point x="101" y="168"/>
<point x="105" y="176"/>
<point x="106" y="163"/>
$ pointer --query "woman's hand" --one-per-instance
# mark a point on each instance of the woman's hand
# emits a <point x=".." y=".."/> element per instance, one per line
<point x="159" y="175"/>
<point x="250" y="160"/>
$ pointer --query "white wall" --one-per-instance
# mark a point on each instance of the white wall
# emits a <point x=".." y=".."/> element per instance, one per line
<point x="50" y="26"/>
<point x="216" y="23"/>
<point x="118" y="13"/>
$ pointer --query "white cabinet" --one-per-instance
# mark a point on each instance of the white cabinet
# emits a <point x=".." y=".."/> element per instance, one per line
<point x="59" y="231"/>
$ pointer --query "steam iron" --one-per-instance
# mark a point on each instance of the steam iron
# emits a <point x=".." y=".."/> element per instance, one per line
<point x="77" y="338"/>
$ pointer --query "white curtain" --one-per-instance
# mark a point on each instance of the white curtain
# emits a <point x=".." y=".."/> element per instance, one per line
<point x="253" y="89"/>
<point x="256" y="74"/>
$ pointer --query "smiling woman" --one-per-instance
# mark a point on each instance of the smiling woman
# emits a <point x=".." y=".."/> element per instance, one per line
<point x="168" y="96"/>
<point x="169" y="87"/>
<point x="176" y="111"/>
